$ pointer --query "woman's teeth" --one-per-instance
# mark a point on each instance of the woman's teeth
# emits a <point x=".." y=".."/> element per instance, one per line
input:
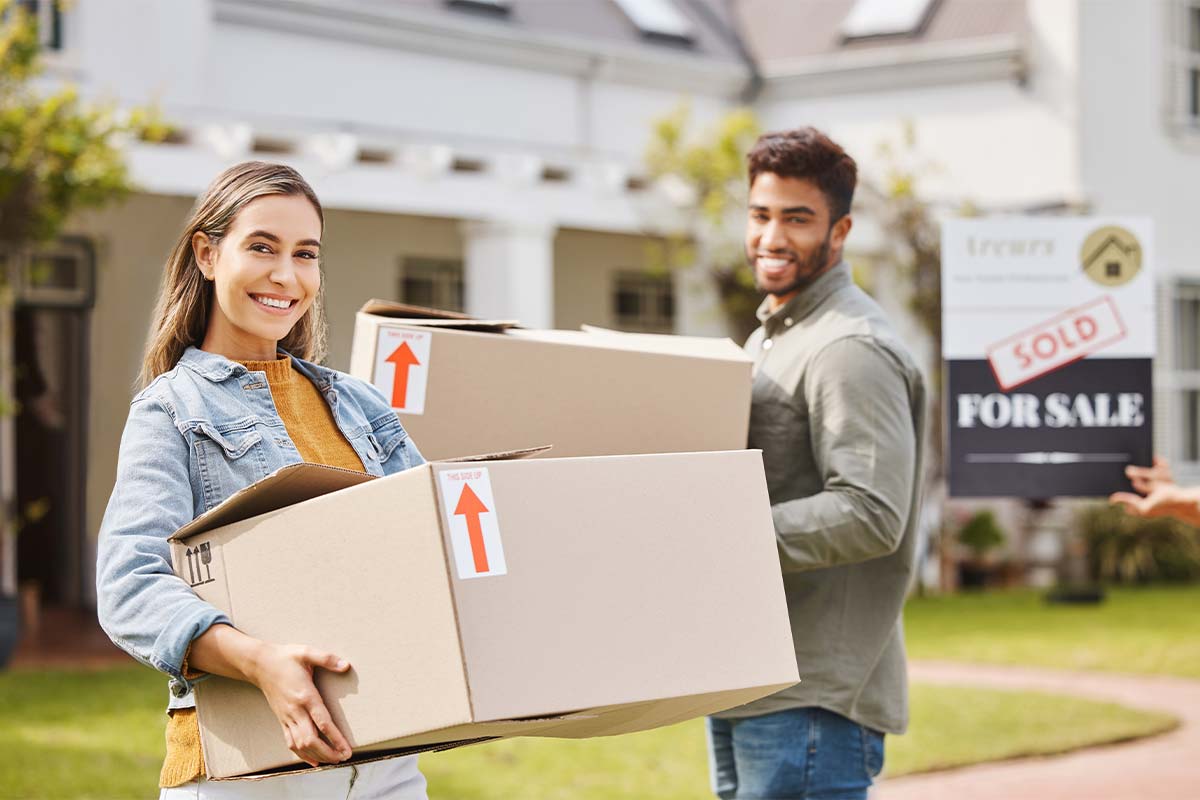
<point x="272" y="302"/>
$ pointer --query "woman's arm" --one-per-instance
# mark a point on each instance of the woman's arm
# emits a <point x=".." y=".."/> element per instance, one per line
<point x="143" y="606"/>
<point x="284" y="675"/>
<point x="156" y="617"/>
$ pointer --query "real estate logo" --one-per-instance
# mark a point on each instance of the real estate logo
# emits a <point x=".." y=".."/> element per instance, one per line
<point x="1111" y="256"/>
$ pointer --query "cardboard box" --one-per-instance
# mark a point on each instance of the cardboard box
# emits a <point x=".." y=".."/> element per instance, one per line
<point x="466" y="386"/>
<point x="478" y="599"/>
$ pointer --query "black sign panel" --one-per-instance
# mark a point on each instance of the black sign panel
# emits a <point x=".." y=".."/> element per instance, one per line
<point x="1068" y="433"/>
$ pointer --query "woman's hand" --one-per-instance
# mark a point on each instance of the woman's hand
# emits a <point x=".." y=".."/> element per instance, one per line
<point x="284" y="674"/>
<point x="1167" y="500"/>
<point x="1146" y="479"/>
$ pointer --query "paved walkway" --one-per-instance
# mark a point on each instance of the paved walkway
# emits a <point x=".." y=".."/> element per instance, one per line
<point x="1164" y="767"/>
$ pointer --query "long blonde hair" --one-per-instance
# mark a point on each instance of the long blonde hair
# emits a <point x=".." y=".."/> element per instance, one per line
<point x="185" y="297"/>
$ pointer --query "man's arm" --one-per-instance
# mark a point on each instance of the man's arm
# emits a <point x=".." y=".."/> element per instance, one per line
<point x="864" y="445"/>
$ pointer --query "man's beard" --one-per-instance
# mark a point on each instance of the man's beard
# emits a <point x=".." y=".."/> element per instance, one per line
<point x="807" y="269"/>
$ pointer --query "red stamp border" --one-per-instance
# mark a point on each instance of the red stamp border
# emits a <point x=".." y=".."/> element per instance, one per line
<point x="1053" y="320"/>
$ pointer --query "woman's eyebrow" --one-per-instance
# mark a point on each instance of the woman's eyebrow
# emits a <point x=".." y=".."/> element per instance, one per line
<point x="272" y="237"/>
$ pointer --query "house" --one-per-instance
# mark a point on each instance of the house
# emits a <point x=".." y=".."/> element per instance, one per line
<point x="486" y="154"/>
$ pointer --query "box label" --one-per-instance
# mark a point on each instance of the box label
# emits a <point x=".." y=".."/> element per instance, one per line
<point x="402" y="368"/>
<point x="197" y="565"/>
<point x="472" y="521"/>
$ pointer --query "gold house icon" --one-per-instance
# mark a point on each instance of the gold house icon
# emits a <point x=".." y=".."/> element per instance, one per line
<point x="1111" y="256"/>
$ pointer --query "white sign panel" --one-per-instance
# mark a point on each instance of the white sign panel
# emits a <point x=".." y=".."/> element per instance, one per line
<point x="472" y="521"/>
<point x="1048" y="338"/>
<point x="402" y="367"/>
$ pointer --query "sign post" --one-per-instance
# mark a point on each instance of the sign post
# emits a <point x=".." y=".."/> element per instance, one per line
<point x="1048" y="340"/>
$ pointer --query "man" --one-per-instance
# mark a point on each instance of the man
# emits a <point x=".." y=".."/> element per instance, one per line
<point x="838" y="411"/>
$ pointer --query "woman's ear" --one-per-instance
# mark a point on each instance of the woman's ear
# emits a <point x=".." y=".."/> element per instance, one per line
<point x="205" y="253"/>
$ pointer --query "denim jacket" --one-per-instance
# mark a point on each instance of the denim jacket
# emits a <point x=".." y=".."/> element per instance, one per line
<point x="194" y="436"/>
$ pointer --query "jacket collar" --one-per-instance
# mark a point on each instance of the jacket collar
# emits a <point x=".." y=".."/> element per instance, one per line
<point x="217" y="368"/>
<point x="807" y="300"/>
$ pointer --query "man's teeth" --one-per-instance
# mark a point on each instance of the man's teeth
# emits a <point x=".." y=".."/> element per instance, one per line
<point x="272" y="302"/>
<point x="773" y="263"/>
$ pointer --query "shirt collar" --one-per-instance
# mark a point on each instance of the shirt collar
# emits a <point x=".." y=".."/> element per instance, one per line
<point x="216" y="367"/>
<point x="807" y="299"/>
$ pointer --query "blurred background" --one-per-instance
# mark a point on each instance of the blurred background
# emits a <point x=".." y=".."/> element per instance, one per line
<point x="563" y="162"/>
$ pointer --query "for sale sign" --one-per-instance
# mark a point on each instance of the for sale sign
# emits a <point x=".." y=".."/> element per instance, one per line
<point x="1048" y="338"/>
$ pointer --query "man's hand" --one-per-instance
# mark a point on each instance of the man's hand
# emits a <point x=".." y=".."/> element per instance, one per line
<point x="1146" y="479"/>
<point x="284" y="673"/>
<point x="1168" y="500"/>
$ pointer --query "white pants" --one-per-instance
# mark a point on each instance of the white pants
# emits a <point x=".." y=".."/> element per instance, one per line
<point x="390" y="779"/>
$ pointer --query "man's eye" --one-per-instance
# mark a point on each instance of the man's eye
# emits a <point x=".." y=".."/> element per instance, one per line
<point x="259" y="247"/>
<point x="306" y="254"/>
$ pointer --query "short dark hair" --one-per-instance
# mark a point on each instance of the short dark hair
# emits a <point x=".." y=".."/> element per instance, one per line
<point x="811" y="155"/>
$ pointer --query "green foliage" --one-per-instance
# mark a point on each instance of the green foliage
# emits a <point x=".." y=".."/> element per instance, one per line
<point x="981" y="533"/>
<point x="57" y="154"/>
<point x="1123" y="548"/>
<point x="707" y="177"/>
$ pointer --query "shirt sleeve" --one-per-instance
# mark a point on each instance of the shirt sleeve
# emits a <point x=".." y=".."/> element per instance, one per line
<point x="143" y="606"/>
<point x="864" y="445"/>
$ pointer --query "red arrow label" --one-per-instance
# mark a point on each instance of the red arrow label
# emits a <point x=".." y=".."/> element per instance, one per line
<point x="404" y="359"/>
<point x="470" y="506"/>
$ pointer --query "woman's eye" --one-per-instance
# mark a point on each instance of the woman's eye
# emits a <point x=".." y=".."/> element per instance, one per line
<point x="306" y="254"/>
<point x="259" y="247"/>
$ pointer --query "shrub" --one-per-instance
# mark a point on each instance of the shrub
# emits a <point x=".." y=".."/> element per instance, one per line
<point x="1126" y="549"/>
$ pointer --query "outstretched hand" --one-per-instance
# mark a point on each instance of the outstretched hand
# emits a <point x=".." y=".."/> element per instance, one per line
<point x="1157" y="495"/>
<point x="1146" y="479"/>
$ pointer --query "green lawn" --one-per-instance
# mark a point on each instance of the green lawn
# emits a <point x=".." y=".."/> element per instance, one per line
<point x="99" y="735"/>
<point x="1153" y="630"/>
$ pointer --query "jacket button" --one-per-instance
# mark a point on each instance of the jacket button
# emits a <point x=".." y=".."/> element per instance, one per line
<point x="178" y="689"/>
<point x="788" y="322"/>
<point x="767" y="344"/>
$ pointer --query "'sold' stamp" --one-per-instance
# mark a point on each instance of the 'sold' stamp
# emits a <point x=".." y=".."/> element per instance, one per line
<point x="1060" y="340"/>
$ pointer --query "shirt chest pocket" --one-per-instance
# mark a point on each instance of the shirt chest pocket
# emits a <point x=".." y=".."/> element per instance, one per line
<point x="228" y="458"/>
<point x="387" y="445"/>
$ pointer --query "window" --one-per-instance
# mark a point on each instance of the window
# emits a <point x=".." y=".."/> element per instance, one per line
<point x="657" y="19"/>
<point x="1184" y="50"/>
<point x="886" y="18"/>
<point x="432" y="282"/>
<point x="1186" y="366"/>
<point x="644" y="302"/>
<point x="48" y="16"/>
<point x="56" y="275"/>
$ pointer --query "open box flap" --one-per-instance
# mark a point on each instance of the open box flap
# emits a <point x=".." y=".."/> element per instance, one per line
<point x="505" y="455"/>
<point x="284" y="487"/>
<point x="434" y="317"/>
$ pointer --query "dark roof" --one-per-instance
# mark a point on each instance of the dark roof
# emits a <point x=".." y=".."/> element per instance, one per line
<point x="600" y="20"/>
<point x="782" y="30"/>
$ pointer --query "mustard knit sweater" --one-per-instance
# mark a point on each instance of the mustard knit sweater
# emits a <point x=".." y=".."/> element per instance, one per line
<point x="311" y="426"/>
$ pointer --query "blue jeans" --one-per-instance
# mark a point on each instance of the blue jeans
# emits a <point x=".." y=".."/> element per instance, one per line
<point x="798" y="754"/>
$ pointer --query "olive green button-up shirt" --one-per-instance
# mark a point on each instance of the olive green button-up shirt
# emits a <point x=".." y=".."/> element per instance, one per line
<point x="839" y="412"/>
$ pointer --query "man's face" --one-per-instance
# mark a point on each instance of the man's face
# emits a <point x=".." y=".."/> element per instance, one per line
<point x="789" y="239"/>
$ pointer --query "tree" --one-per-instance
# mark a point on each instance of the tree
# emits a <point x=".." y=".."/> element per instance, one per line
<point x="706" y="177"/>
<point x="58" y="155"/>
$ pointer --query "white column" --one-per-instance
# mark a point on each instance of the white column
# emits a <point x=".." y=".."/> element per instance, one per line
<point x="508" y="271"/>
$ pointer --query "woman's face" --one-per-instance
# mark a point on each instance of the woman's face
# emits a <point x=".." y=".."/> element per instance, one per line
<point x="265" y="273"/>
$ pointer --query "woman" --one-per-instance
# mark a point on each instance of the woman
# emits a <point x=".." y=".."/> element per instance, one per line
<point x="230" y="394"/>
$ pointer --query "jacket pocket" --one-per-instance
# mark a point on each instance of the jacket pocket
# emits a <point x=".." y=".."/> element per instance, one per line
<point x="386" y="439"/>
<point x="227" y="460"/>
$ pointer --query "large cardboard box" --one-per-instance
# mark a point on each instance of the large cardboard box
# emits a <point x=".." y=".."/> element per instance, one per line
<point x="550" y="597"/>
<point x="465" y="386"/>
